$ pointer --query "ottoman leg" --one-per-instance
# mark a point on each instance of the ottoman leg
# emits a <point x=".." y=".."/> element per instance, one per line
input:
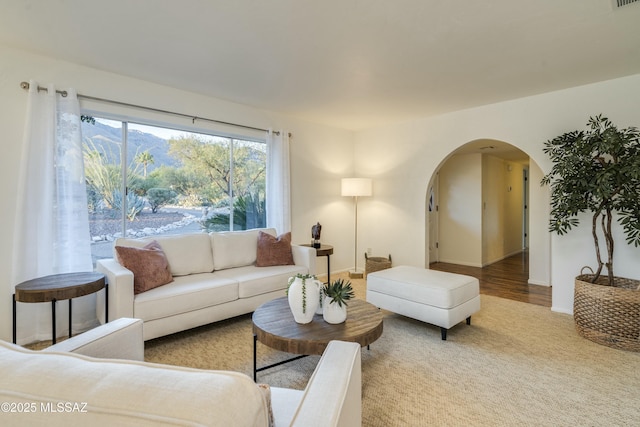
<point x="469" y="320"/>
<point x="443" y="334"/>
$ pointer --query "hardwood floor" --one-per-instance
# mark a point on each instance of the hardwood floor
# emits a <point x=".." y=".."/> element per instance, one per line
<point x="505" y="279"/>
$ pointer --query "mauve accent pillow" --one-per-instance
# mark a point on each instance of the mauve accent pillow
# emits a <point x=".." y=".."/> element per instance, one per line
<point x="149" y="266"/>
<point x="274" y="250"/>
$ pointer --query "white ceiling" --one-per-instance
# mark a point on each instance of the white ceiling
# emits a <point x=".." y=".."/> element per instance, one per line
<point x="347" y="63"/>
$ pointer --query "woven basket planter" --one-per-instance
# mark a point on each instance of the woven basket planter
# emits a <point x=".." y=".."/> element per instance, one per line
<point x="608" y="315"/>
<point x="376" y="263"/>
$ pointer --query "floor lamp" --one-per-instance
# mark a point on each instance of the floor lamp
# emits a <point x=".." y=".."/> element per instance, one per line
<point x="356" y="187"/>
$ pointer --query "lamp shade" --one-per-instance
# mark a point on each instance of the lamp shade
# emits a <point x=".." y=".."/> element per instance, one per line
<point x="356" y="187"/>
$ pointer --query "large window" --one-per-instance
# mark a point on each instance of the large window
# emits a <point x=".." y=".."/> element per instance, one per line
<point x="146" y="180"/>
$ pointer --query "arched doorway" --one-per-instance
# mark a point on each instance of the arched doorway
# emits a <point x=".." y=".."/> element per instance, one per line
<point x="482" y="208"/>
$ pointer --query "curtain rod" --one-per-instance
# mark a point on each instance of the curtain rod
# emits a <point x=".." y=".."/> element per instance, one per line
<point x="63" y="93"/>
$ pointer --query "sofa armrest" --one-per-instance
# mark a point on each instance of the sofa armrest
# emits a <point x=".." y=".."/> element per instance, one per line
<point x="333" y="396"/>
<point x="120" y="339"/>
<point x="306" y="256"/>
<point x="120" y="282"/>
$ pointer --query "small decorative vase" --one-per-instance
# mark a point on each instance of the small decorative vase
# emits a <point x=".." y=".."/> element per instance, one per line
<point x="303" y="295"/>
<point x="333" y="313"/>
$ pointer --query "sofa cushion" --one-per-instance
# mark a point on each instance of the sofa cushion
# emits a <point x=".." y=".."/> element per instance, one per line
<point x="285" y="403"/>
<point x="124" y="393"/>
<point x="186" y="253"/>
<point x="274" y="250"/>
<point x="236" y="248"/>
<point x="254" y="280"/>
<point x="149" y="266"/>
<point x="185" y="294"/>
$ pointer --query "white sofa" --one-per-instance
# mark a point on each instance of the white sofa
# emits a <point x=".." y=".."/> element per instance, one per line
<point x="215" y="278"/>
<point x="56" y="387"/>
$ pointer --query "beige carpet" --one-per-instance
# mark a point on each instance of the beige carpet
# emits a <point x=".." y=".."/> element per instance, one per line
<point x="517" y="365"/>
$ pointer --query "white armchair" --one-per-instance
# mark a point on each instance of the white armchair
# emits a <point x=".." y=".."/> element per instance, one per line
<point x="119" y="339"/>
<point x="131" y="392"/>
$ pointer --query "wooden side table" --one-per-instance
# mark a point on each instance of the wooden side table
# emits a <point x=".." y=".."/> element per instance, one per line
<point x="59" y="287"/>
<point x="324" y="250"/>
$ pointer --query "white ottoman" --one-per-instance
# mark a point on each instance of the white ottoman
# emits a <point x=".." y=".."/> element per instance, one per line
<point x="431" y="296"/>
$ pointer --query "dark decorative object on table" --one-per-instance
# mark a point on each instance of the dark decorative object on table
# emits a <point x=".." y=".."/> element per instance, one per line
<point x="315" y="234"/>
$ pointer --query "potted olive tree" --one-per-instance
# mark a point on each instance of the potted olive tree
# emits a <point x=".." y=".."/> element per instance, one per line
<point x="598" y="172"/>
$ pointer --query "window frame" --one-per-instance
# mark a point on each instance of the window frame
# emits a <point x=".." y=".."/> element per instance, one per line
<point x="178" y="126"/>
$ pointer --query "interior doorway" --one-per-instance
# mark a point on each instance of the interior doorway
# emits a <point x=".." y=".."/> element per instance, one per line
<point x="467" y="215"/>
<point x="525" y="208"/>
<point x="432" y="214"/>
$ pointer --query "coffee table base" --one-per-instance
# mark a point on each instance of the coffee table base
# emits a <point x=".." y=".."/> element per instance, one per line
<point x="275" y="327"/>
<point x="273" y="365"/>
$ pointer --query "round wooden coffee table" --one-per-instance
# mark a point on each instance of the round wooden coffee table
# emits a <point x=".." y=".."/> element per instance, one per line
<point x="274" y="326"/>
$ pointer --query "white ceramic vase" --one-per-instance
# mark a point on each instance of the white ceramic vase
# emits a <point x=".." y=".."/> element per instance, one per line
<point x="332" y="312"/>
<point x="304" y="295"/>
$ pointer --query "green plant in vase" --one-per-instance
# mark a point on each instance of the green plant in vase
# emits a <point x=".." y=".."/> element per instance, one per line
<point x="597" y="172"/>
<point x="339" y="291"/>
<point x="336" y="294"/>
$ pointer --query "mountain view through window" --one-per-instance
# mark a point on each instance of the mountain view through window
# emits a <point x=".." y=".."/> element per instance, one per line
<point x="147" y="180"/>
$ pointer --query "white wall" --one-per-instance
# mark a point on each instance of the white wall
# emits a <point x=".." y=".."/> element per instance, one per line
<point x="493" y="209"/>
<point x="513" y="188"/>
<point x="460" y="215"/>
<point x="539" y="236"/>
<point x="402" y="158"/>
<point x="320" y="155"/>
<point x="481" y="208"/>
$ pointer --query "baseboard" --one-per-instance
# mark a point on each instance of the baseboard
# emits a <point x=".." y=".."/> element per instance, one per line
<point x="562" y="310"/>
<point x="538" y="283"/>
<point x="342" y="270"/>
<point x="62" y="329"/>
<point x="467" y="264"/>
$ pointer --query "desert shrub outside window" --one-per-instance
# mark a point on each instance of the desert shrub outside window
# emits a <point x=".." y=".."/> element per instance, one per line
<point x="147" y="180"/>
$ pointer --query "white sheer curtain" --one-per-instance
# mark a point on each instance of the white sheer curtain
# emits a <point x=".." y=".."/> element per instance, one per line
<point x="52" y="224"/>
<point x="278" y="182"/>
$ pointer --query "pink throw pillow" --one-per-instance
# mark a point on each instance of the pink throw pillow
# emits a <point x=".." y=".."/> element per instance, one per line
<point x="149" y="266"/>
<point x="274" y="250"/>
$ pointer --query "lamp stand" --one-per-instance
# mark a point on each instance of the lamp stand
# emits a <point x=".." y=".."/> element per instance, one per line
<point x="355" y="274"/>
<point x="356" y="187"/>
